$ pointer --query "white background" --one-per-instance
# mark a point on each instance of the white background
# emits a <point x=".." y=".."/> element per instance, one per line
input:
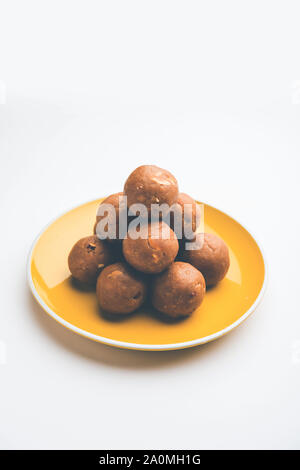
<point x="210" y="91"/>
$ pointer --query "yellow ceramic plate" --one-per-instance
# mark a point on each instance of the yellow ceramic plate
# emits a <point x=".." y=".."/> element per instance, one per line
<point x="224" y="307"/>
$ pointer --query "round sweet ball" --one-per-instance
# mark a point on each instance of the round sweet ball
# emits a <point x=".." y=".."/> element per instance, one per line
<point x="154" y="250"/>
<point x="116" y="200"/>
<point x="149" y="184"/>
<point x="186" y="212"/>
<point x="120" y="289"/>
<point x="88" y="257"/>
<point x="179" y="290"/>
<point x="211" y="258"/>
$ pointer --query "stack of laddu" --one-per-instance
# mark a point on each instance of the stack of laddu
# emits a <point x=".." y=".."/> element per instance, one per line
<point x="127" y="271"/>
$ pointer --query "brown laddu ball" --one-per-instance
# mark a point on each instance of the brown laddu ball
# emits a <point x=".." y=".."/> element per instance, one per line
<point x="87" y="257"/>
<point x="179" y="290"/>
<point x="152" y="254"/>
<point x="211" y="258"/>
<point x="149" y="184"/>
<point x="116" y="200"/>
<point x="188" y="213"/>
<point x="120" y="289"/>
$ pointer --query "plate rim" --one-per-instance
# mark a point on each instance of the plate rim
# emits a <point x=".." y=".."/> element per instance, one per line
<point x="137" y="346"/>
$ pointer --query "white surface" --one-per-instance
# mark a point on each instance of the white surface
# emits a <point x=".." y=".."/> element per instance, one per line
<point x="209" y="90"/>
